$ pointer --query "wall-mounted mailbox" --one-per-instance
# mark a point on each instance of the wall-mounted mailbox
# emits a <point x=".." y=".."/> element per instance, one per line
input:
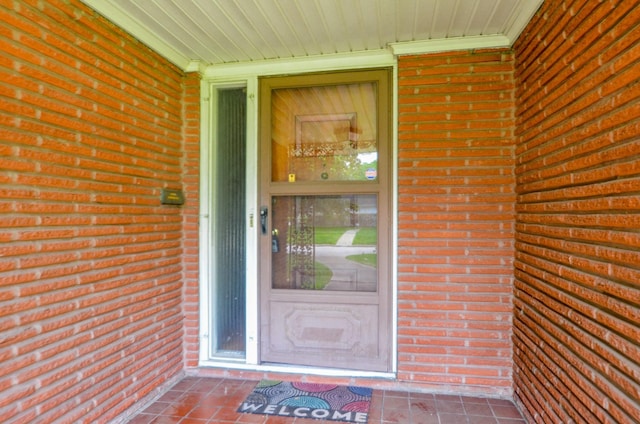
<point x="172" y="197"/>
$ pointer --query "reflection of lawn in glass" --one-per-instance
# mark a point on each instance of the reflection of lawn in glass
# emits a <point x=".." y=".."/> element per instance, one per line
<point x="370" y="259"/>
<point x="366" y="236"/>
<point x="323" y="276"/>
<point x="331" y="235"/>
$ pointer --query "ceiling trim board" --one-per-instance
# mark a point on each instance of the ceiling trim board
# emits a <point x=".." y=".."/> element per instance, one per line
<point x="120" y="18"/>
<point x="450" y="44"/>
<point x="196" y="66"/>
<point x="319" y="63"/>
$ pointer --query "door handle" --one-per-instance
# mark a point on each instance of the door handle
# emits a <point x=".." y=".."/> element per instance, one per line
<point x="264" y="212"/>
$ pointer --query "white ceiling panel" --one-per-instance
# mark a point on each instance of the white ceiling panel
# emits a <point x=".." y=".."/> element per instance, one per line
<point x="215" y="32"/>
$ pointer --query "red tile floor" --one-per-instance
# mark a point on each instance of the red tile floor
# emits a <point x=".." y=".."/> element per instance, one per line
<point x="196" y="400"/>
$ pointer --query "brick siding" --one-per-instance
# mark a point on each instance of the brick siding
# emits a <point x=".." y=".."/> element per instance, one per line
<point x="577" y="268"/>
<point x="191" y="218"/>
<point x="99" y="282"/>
<point x="456" y="220"/>
<point x="92" y="127"/>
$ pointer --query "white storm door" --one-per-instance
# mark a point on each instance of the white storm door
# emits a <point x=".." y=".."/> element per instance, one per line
<point x="325" y="285"/>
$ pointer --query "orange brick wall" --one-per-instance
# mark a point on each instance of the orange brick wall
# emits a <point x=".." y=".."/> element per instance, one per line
<point x="577" y="268"/>
<point x="191" y="217"/>
<point x="456" y="220"/>
<point x="99" y="282"/>
<point x="92" y="127"/>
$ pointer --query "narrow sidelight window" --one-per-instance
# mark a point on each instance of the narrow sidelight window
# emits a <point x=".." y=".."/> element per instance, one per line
<point x="229" y="234"/>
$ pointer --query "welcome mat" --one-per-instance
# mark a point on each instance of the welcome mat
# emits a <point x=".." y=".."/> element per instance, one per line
<point x="349" y="404"/>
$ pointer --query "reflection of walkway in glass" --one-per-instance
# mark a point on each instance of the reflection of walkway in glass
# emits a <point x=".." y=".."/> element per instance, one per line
<point x="347" y="275"/>
<point x="347" y="238"/>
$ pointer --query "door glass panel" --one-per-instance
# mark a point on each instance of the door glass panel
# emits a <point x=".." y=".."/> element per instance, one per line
<point x="325" y="243"/>
<point x="324" y="133"/>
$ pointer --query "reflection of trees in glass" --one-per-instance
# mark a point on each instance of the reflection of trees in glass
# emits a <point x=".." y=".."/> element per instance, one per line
<point x="300" y="243"/>
<point x="322" y="220"/>
<point x="333" y="211"/>
<point x="353" y="168"/>
<point x="332" y="161"/>
<point x="345" y="211"/>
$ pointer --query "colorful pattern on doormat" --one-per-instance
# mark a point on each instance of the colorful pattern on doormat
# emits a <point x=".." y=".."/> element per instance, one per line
<point x="349" y="404"/>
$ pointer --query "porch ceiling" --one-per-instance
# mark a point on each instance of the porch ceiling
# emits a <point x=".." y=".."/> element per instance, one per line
<point x="214" y="32"/>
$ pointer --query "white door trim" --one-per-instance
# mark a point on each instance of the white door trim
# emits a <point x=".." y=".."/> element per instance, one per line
<point x="247" y="76"/>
